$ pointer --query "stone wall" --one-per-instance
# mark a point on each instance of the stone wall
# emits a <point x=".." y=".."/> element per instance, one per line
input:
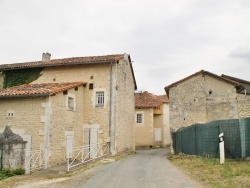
<point x="13" y="156"/>
<point x="99" y="76"/>
<point x="63" y="120"/>
<point x="122" y="97"/>
<point x="201" y="99"/>
<point x="26" y="119"/>
<point x="187" y="103"/>
<point x="243" y="105"/>
<point x="124" y="107"/>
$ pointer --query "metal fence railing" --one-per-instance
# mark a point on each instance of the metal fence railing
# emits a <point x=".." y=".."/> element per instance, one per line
<point x="36" y="159"/>
<point x="203" y="139"/>
<point x="80" y="155"/>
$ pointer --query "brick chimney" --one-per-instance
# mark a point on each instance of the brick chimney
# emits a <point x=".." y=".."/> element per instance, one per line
<point x="46" y="57"/>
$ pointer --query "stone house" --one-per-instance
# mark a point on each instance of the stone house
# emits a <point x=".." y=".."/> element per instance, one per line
<point x="203" y="97"/>
<point x="151" y="120"/>
<point x="71" y="102"/>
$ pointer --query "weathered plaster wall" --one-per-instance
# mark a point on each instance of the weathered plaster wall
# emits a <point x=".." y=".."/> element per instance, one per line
<point x="27" y="117"/>
<point x="125" y="109"/>
<point x="144" y="134"/>
<point x="201" y="99"/>
<point x="243" y="105"/>
<point x="13" y="156"/>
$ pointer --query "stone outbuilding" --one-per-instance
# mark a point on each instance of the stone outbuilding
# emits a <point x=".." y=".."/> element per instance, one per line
<point x="203" y="97"/>
<point x="151" y="120"/>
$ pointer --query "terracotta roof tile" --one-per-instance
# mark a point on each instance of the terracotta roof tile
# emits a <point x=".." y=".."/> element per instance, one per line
<point x="44" y="89"/>
<point x="147" y="100"/>
<point x="65" y="61"/>
<point x="164" y="98"/>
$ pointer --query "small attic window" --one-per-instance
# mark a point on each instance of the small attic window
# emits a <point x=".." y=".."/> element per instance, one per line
<point x="10" y="113"/>
<point x="210" y="92"/>
<point x="91" y="86"/>
<point x="65" y="92"/>
<point x="76" y="88"/>
<point x="71" y="104"/>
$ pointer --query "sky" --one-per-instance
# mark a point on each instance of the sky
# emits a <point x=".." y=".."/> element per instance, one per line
<point x="166" y="39"/>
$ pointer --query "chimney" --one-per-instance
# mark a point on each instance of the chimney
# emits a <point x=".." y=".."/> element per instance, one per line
<point x="46" y="57"/>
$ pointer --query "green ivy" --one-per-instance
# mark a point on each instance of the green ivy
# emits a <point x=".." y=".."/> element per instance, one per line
<point x="20" y="76"/>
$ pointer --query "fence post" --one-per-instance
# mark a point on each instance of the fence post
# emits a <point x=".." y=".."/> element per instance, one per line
<point x="46" y="158"/>
<point x="181" y="143"/>
<point x="195" y="135"/>
<point x="222" y="148"/>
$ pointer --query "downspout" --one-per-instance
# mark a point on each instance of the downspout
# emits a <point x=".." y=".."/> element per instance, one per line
<point x="116" y="88"/>
<point x="110" y="108"/>
<point x="47" y="129"/>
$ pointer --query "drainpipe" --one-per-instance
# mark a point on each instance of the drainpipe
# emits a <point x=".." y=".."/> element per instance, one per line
<point x="110" y="108"/>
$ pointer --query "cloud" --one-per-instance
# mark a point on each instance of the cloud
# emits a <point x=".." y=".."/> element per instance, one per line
<point x="167" y="40"/>
<point x="242" y="53"/>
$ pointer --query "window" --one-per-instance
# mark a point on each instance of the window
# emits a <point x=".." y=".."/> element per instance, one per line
<point x="71" y="105"/>
<point x="139" y="119"/>
<point x="99" y="98"/>
<point x="10" y="113"/>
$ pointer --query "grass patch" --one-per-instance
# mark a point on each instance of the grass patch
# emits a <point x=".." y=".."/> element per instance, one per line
<point x="209" y="172"/>
<point x="5" y="173"/>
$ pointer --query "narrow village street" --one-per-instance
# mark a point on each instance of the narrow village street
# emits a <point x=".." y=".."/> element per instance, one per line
<point x="147" y="168"/>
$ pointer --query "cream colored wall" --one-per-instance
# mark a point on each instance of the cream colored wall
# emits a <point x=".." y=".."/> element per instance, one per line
<point x="122" y="97"/>
<point x="166" y="125"/>
<point x="65" y="120"/>
<point x="190" y="101"/>
<point x="144" y="134"/>
<point x="99" y="75"/>
<point x="124" y="109"/>
<point x="28" y="113"/>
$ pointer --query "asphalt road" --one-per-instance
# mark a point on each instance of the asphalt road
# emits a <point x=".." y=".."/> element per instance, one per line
<point x="145" y="169"/>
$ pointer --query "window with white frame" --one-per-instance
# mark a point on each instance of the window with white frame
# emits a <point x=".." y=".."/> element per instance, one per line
<point x="139" y="118"/>
<point x="71" y="105"/>
<point x="99" y="100"/>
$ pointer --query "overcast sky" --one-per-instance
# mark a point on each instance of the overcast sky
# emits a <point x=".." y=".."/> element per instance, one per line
<point x="166" y="39"/>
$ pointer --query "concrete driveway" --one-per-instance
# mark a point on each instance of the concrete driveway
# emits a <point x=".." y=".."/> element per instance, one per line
<point x="145" y="169"/>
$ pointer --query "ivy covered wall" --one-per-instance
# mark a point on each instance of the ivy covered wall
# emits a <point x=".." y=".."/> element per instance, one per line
<point x="20" y="76"/>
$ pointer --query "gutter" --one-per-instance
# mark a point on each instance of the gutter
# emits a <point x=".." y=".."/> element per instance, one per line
<point x="110" y="107"/>
<point x="23" y="96"/>
<point x="38" y="65"/>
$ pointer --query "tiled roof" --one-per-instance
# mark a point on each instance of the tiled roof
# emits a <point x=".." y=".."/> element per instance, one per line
<point x="65" y="61"/>
<point x="44" y="89"/>
<point x="147" y="100"/>
<point x="203" y="72"/>
<point x="164" y="98"/>
<point x="235" y="79"/>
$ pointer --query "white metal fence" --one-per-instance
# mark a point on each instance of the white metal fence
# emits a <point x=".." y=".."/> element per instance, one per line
<point x="80" y="155"/>
<point x="36" y="159"/>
